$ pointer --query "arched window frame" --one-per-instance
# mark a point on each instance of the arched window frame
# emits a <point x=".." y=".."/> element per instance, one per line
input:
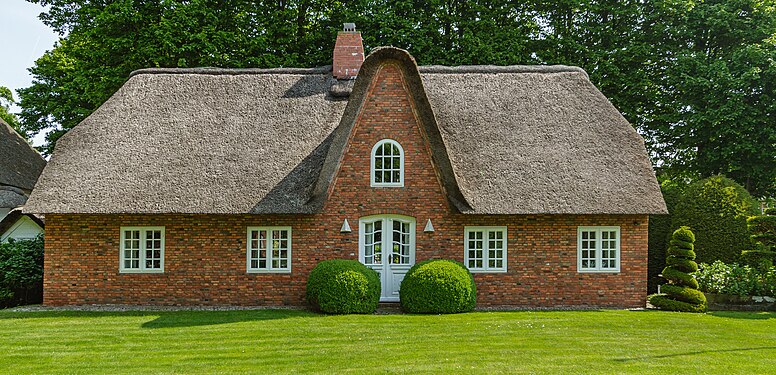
<point x="373" y="157"/>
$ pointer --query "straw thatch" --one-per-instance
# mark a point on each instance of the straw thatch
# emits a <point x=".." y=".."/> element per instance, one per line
<point x="11" y="197"/>
<point x="506" y="140"/>
<point x="20" y="164"/>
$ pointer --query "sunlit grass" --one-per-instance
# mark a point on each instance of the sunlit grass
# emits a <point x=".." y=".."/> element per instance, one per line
<point x="284" y="341"/>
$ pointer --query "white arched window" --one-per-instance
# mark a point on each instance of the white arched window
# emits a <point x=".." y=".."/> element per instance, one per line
<point x="387" y="164"/>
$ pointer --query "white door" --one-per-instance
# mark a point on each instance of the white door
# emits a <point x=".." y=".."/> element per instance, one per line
<point x="387" y="245"/>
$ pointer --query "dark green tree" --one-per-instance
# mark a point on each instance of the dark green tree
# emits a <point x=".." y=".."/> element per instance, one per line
<point x="681" y="293"/>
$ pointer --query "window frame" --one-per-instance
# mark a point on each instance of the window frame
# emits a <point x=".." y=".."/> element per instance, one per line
<point x="372" y="156"/>
<point x="485" y="248"/>
<point x="248" y="249"/>
<point x="598" y="259"/>
<point x="142" y="258"/>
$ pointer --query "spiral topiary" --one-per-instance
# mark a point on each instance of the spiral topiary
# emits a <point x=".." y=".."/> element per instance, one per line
<point x="438" y="287"/>
<point x="343" y="287"/>
<point x="681" y="293"/>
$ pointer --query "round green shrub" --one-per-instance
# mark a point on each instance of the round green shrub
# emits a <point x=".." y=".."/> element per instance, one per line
<point x="343" y="287"/>
<point x="716" y="208"/>
<point x="438" y="287"/>
<point x="770" y="211"/>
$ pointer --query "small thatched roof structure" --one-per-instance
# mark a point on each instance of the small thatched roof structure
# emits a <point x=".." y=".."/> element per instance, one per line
<point x="14" y="215"/>
<point x="20" y="164"/>
<point x="11" y="197"/>
<point x="506" y="140"/>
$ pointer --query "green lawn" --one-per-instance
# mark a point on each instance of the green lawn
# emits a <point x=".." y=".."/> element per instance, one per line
<point x="282" y="341"/>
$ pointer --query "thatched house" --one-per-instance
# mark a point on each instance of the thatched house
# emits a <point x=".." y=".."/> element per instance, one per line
<point x="20" y="166"/>
<point x="227" y="186"/>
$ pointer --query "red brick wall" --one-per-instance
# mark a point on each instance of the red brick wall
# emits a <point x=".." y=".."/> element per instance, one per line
<point x="205" y="255"/>
<point x="205" y="260"/>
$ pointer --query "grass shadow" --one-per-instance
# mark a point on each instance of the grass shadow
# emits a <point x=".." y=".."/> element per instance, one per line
<point x="754" y="315"/>
<point x="169" y="319"/>
<point x="672" y="355"/>
<point x="177" y="319"/>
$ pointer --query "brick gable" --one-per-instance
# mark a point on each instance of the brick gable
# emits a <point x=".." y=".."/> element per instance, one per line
<point x="388" y="112"/>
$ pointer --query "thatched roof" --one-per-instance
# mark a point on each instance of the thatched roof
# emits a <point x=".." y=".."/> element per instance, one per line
<point x="20" y="164"/>
<point x="11" y="197"/>
<point x="506" y="140"/>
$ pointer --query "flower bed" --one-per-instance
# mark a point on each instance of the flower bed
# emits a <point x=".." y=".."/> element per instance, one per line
<point x="737" y="287"/>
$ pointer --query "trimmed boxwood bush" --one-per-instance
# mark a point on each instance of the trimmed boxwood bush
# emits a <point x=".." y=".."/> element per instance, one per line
<point x="681" y="293"/>
<point x="438" y="287"/>
<point x="343" y="287"/>
<point x="716" y="208"/>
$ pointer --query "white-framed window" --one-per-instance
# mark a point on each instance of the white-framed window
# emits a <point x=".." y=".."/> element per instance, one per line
<point x="598" y="249"/>
<point x="387" y="164"/>
<point x="142" y="250"/>
<point x="485" y="249"/>
<point x="269" y="249"/>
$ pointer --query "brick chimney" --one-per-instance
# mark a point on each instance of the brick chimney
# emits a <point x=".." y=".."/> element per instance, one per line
<point x="348" y="53"/>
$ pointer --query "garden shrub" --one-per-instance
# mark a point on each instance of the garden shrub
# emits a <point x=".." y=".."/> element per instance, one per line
<point x="716" y="208"/>
<point x="21" y="272"/>
<point x="741" y="280"/>
<point x="659" y="233"/>
<point x="438" y="287"/>
<point x="680" y="294"/>
<point x="343" y="287"/>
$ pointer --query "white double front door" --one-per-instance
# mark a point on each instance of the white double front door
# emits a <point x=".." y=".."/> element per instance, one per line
<point x="387" y="245"/>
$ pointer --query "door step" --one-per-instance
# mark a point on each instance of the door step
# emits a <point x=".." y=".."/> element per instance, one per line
<point x="388" y="308"/>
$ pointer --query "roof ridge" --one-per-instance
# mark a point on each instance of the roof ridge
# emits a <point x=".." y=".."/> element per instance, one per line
<point x="232" y="71"/>
<point x="430" y="69"/>
<point x="501" y="69"/>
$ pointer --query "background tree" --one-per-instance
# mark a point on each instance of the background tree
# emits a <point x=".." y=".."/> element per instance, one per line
<point x="6" y="99"/>
<point x="696" y="78"/>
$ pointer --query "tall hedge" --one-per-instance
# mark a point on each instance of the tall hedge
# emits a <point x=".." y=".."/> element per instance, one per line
<point x="716" y="209"/>
<point x="21" y="272"/>
<point x="681" y="293"/>
<point x="659" y="233"/>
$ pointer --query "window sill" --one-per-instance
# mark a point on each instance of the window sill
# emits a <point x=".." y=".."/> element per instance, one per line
<point x="268" y="271"/>
<point x="140" y="271"/>
<point x="598" y="271"/>
<point x="486" y="271"/>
